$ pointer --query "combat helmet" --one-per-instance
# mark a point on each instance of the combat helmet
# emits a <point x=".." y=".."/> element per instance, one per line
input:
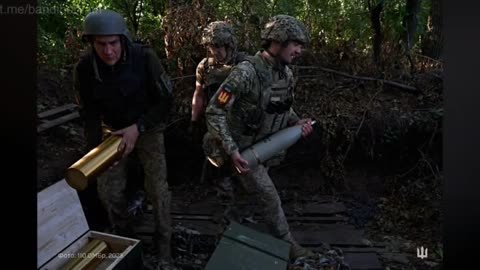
<point x="283" y="27"/>
<point x="219" y="33"/>
<point x="105" y="22"/>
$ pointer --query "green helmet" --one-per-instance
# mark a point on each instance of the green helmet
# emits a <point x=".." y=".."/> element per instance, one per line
<point x="219" y="33"/>
<point x="104" y="22"/>
<point x="283" y="27"/>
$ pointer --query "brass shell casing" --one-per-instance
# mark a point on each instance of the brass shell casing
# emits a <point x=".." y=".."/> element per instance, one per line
<point x="88" y="257"/>
<point x="94" y="163"/>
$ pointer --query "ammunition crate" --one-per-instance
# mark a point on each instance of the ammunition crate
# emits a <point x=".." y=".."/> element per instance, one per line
<point x="243" y="248"/>
<point x="63" y="232"/>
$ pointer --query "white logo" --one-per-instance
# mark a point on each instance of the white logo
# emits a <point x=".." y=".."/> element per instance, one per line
<point x="422" y="253"/>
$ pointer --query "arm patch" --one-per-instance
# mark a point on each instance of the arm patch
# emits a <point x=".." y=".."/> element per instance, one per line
<point x="224" y="95"/>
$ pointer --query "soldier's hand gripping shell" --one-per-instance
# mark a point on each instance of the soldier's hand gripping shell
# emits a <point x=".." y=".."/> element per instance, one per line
<point x="240" y="164"/>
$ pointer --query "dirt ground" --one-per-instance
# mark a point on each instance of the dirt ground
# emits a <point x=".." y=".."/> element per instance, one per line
<point x="375" y="195"/>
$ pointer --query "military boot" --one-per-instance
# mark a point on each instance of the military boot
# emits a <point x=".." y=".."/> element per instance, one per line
<point x="161" y="250"/>
<point x="296" y="250"/>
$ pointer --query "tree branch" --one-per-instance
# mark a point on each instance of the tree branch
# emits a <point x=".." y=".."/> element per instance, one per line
<point x="403" y="86"/>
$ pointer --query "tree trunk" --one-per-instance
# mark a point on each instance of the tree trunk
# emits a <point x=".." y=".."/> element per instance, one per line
<point x="129" y="8"/>
<point x="432" y="44"/>
<point x="377" y="31"/>
<point x="410" y="22"/>
<point x="135" y="17"/>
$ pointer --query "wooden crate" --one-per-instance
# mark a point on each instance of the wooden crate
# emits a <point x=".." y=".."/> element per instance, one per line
<point x="63" y="231"/>
<point x="243" y="248"/>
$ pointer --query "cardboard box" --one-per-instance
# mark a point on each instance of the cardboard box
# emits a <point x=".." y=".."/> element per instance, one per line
<point x="242" y="248"/>
<point x="63" y="231"/>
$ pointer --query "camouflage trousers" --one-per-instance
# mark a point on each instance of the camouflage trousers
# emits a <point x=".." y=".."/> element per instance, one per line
<point x="259" y="184"/>
<point x="112" y="184"/>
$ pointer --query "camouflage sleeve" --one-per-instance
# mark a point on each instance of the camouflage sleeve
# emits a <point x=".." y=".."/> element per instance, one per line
<point x="200" y="72"/>
<point x="238" y="82"/>
<point x="292" y="116"/>
<point x="159" y="92"/>
<point x="89" y="112"/>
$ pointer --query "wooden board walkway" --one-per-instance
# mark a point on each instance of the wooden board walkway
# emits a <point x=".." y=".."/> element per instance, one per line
<point x="312" y="224"/>
<point x="57" y="116"/>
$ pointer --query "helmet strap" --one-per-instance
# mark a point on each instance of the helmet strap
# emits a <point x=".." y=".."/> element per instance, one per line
<point x="271" y="54"/>
<point x="229" y="55"/>
<point x="275" y="59"/>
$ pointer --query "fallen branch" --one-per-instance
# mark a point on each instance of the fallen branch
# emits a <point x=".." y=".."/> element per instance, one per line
<point x="429" y="58"/>
<point x="183" y="77"/>
<point x="400" y="85"/>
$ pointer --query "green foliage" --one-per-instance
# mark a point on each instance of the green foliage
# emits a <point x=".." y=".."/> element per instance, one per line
<point x="50" y="48"/>
<point x="57" y="19"/>
<point x="332" y="23"/>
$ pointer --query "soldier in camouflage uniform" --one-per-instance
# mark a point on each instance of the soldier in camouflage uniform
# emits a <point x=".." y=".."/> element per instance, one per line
<point x="221" y="44"/>
<point x="123" y="86"/>
<point x="222" y="56"/>
<point x="254" y="102"/>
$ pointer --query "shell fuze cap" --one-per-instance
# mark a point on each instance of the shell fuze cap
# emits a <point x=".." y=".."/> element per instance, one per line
<point x="283" y="27"/>
<point x="105" y="22"/>
<point x="219" y="33"/>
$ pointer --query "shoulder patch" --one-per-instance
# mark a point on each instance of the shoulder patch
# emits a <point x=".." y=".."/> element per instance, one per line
<point x="225" y="94"/>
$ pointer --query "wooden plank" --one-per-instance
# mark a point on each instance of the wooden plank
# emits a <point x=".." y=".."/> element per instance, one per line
<point x="204" y="207"/>
<point x="362" y="249"/>
<point x="212" y="207"/>
<point x="203" y="227"/>
<point x="395" y="257"/>
<point x="193" y="217"/>
<point x="323" y="220"/>
<point x="306" y="219"/>
<point x="57" y="110"/>
<point x="333" y="234"/>
<point x="324" y="208"/>
<point x="60" y="220"/>
<point x="148" y="218"/>
<point x="58" y="121"/>
<point x="363" y="261"/>
<point x="316" y="209"/>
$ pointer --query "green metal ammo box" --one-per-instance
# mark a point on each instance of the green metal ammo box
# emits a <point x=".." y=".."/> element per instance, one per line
<point x="243" y="248"/>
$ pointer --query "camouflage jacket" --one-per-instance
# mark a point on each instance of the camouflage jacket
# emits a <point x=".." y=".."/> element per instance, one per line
<point x="134" y="90"/>
<point x="253" y="102"/>
<point x="211" y="74"/>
